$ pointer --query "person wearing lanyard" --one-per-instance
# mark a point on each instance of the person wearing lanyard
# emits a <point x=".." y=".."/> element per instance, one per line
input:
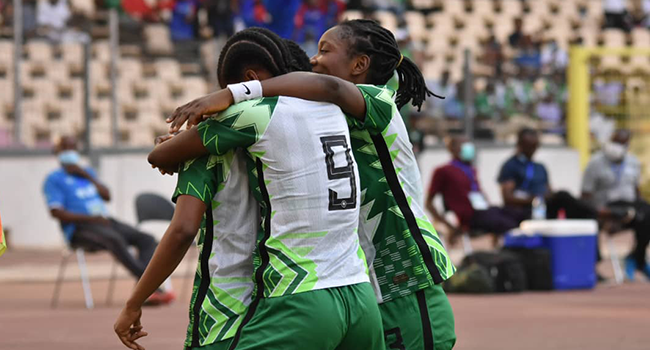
<point x="611" y="182"/>
<point x="522" y="180"/>
<point x="458" y="184"/>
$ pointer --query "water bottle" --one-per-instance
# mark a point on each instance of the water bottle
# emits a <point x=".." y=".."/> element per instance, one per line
<point x="539" y="209"/>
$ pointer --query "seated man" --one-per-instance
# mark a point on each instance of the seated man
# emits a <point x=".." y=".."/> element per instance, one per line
<point x="523" y="181"/>
<point x="458" y="183"/>
<point x="611" y="182"/>
<point x="76" y="198"/>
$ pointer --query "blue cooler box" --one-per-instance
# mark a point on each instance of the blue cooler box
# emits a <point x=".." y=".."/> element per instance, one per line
<point x="572" y="244"/>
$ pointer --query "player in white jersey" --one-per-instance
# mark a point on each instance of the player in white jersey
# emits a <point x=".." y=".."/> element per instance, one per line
<point x="407" y="259"/>
<point x="303" y="174"/>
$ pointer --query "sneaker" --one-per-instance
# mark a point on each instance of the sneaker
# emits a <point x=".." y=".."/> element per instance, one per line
<point x="160" y="298"/>
<point x="630" y="268"/>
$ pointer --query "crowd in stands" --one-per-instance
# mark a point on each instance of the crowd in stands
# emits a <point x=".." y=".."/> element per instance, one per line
<point x="519" y="53"/>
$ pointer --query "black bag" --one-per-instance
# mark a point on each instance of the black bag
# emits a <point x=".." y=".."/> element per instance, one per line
<point x="505" y="269"/>
<point x="537" y="263"/>
<point x="473" y="278"/>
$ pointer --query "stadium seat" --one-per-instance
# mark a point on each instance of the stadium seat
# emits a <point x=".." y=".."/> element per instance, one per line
<point x="352" y="15"/>
<point x="613" y="37"/>
<point x="453" y="7"/>
<point x="169" y="69"/>
<point x="72" y="52"/>
<point x="39" y="51"/>
<point x="158" y="40"/>
<point x="86" y="7"/>
<point x="6" y="51"/>
<point x="101" y="51"/>
<point x="416" y="24"/>
<point x="641" y="37"/>
<point x="423" y="4"/>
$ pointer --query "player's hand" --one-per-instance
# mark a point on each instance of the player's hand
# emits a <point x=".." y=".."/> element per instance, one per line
<point x="166" y="171"/>
<point x="199" y="109"/>
<point x="75" y="170"/>
<point x="162" y="138"/>
<point x="129" y="329"/>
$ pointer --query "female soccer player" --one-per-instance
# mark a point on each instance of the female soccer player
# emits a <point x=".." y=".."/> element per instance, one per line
<point x="407" y="259"/>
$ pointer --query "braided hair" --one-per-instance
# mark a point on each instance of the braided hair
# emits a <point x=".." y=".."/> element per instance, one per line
<point x="299" y="59"/>
<point x="367" y="37"/>
<point x="256" y="47"/>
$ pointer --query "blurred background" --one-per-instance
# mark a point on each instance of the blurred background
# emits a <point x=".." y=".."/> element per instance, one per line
<point x="109" y="72"/>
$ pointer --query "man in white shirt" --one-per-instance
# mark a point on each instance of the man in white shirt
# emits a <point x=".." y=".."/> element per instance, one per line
<point x="611" y="183"/>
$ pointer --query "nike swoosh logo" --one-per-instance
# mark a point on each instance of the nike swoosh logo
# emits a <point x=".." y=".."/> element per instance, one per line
<point x="248" y="92"/>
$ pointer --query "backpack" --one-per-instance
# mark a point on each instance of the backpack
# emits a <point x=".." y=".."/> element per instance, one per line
<point x="472" y="278"/>
<point x="504" y="268"/>
<point x="537" y="263"/>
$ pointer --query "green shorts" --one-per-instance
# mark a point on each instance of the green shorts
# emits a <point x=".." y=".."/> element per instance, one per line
<point x="420" y="321"/>
<point x="220" y="345"/>
<point x="342" y="318"/>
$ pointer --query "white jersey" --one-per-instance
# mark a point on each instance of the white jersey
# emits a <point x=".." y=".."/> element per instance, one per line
<point x="307" y="183"/>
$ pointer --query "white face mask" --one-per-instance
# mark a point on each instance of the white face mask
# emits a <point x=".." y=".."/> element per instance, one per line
<point x="615" y="152"/>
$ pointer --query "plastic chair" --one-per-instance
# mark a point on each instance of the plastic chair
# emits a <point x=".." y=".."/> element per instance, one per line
<point x="151" y="206"/>
<point x="85" y="278"/>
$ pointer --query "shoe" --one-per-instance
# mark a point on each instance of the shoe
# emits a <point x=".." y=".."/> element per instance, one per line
<point x="160" y="298"/>
<point x="630" y="268"/>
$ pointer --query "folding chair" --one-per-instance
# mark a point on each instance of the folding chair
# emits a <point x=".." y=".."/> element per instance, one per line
<point x="85" y="278"/>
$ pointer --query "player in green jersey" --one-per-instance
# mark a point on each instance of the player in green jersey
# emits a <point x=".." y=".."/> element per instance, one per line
<point x="328" y="302"/>
<point x="408" y="260"/>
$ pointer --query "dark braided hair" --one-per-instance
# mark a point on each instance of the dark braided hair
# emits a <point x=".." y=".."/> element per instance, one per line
<point x="252" y="46"/>
<point x="299" y="59"/>
<point x="367" y="37"/>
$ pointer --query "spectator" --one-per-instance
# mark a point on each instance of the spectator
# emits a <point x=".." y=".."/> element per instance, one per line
<point x="282" y="15"/>
<point x="549" y="111"/>
<point x="461" y="192"/>
<point x="76" y="198"/>
<point x="515" y="39"/>
<point x="529" y="59"/>
<point x="52" y="17"/>
<point x="553" y="58"/>
<point x="523" y="180"/>
<point x="493" y="54"/>
<point x="611" y="183"/>
<point x="616" y="15"/>
<point x="310" y="24"/>
<point x="182" y="22"/>
<point x="220" y="16"/>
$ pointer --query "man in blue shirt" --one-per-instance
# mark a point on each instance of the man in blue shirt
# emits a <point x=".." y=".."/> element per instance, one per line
<point x="523" y="180"/>
<point x="76" y="198"/>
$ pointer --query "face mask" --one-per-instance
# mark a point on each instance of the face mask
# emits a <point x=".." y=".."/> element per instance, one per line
<point x="69" y="157"/>
<point x="615" y="152"/>
<point x="467" y="152"/>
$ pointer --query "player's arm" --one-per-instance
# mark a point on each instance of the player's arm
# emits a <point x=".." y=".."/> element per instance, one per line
<point x="305" y="85"/>
<point x="169" y="253"/>
<point x="178" y="149"/>
<point x="318" y="87"/>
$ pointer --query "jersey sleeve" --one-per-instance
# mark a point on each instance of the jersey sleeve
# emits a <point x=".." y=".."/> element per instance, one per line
<point x="507" y="173"/>
<point x="380" y="108"/>
<point x="240" y="125"/>
<point x="54" y="195"/>
<point x="200" y="178"/>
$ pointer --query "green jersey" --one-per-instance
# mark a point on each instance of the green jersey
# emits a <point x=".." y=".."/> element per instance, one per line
<point x="223" y="282"/>
<point x="304" y="176"/>
<point x="402" y="247"/>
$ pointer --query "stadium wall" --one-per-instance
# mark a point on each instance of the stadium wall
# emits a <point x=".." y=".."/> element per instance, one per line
<point x="24" y="213"/>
